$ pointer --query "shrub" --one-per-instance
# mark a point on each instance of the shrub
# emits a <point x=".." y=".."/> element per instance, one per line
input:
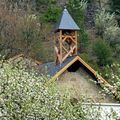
<point x="85" y="56"/>
<point x="20" y="29"/>
<point x="103" y="52"/>
<point x="112" y="73"/>
<point x="52" y="14"/>
<point x="24" y="95"/>
<point x="112" y="35"/>
<point x="117" y="50"/>
<point x="41" y="4"/>
<point x="83" y="40"/>
<point x="115" y="5"/>
<point x="104" y="20"/>
<point x="107" y="27"/>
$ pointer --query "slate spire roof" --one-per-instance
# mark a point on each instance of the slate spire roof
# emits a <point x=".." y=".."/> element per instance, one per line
<point x="66" y="22"/>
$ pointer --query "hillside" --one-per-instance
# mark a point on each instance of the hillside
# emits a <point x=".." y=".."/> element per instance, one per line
<point x="80" y="84"/>
<point x="29" y="41"/>
<point x="32" y="23"/>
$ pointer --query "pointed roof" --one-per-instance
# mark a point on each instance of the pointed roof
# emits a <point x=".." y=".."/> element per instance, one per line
<point x="66" y="22"/>
<point x="56" y="70"/>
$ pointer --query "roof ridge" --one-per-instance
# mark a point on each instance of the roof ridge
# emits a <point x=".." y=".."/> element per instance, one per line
<point x="66" y="22"/>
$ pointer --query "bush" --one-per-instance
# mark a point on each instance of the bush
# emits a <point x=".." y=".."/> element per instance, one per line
<point x="107" y="26"/>
<point x="41" y="4"/>
<point x="112" y="73"/>
<point x="117" y="50"/>
<point x="103" y="52"/>
<point x="83" y="40"/>
<point x="104" y="20"/>
<point x="85" y="57"/>
<point x="112" y="35"/>
<point x="52" y="14"/>
<point x="17" y="27"/>
<point x="115" y="5"/>
<point x="25" y="96"/>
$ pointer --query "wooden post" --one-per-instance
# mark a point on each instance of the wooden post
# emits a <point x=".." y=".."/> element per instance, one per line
<point x="62" y="51"/>
<point x="76" y="42"/>
<point x="54" y="38"/>
<point x="60" y="42"/>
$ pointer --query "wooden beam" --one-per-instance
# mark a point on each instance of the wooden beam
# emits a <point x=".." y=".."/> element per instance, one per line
<point x="71" y="51"/>
<point x="68" y="37"/>
<point x="22" y="55"/>
<point x="63" y="36"/>
<point x="58" y="57"/>
<point x="99" y="78"/>
<point x="15" y="57"/>
<point x="54" y="38"/>
<point x="65" y="49"/>
<point x="86" y="65"/>
<point x="76" y="42"/>
<point x="60" y="41"/>
<point x="61" y="71"/>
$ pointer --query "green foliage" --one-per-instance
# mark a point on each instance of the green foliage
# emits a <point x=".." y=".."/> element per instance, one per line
<point x="108" y="29"/>
<point x="104" y="20"/>
<point x="52" y="14"/>
<point x="117" y="50"/>
<point x="77" y="8"/>
<point x="112" y="35"/>
<point x="112" y="73"/>
<point x="48" y="10"/>
<point x="41" y="3"/>
<point x="85" y="57"/>
<point x="103" y="52"/>
<point x="24" y="95"/>
<point x="83" y="40"/>
<point x="115" y="5"/>
<point x="90" y="60"/>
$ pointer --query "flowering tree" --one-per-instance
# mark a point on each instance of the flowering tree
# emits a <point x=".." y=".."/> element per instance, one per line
<point x="112" y="72"/>
<point x="107" y="28"/>
<point x="23" y="95"/>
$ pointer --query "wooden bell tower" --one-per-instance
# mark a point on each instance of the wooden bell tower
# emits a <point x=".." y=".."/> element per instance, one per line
<point x="65" y="36"/>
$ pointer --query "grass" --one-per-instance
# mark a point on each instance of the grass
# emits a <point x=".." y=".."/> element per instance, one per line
<point x="80" y="84"/>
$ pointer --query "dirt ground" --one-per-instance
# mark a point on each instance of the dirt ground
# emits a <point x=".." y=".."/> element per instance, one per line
<point x="80" y="84"/>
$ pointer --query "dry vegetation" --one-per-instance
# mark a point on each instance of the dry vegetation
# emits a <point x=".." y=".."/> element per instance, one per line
<point x="80" y="84"/>
<point x="22" y="31"/>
